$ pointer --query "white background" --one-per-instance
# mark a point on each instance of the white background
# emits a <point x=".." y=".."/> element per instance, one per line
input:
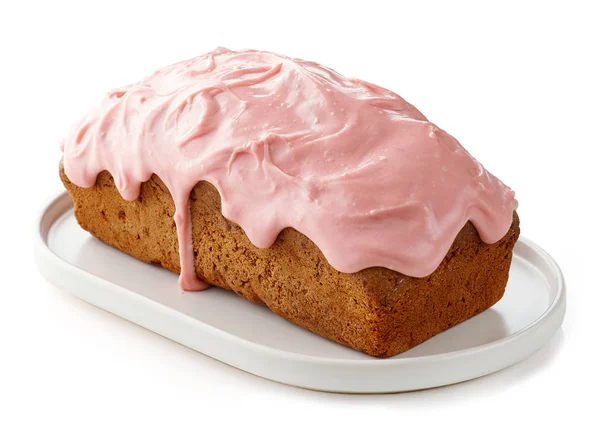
<point x="517" y="84"/>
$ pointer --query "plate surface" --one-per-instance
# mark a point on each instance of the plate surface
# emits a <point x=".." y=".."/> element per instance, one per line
<point x="247" y="336"/>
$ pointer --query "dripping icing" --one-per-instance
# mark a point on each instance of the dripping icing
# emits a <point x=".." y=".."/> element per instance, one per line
<point x="290" y="143"/>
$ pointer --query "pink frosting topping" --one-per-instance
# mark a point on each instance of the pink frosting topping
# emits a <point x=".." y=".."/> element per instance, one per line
<point x="291" y="143"/>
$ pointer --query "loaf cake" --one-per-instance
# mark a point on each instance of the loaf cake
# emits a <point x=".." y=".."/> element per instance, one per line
<point x="330" y="200"/>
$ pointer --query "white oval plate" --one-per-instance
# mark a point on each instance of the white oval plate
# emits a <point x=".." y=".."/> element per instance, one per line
<point x="247" y="336"/>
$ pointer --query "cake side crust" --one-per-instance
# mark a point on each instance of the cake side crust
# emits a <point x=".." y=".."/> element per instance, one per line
<point x="376" y="311"/>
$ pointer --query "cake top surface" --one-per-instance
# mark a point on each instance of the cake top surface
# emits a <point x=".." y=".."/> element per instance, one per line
<point x="291" y="143"/>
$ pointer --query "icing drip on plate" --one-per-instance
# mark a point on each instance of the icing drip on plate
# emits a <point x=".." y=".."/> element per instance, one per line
<point x="291" y="143"/>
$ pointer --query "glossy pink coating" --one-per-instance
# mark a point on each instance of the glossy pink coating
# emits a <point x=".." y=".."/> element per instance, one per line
<point x="291" y="143"/>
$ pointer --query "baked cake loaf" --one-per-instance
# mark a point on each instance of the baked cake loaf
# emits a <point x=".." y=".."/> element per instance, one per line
<point x="335" y="203"/>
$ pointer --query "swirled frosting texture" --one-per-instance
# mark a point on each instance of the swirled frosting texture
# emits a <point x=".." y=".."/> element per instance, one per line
<point x="290" y="143"/>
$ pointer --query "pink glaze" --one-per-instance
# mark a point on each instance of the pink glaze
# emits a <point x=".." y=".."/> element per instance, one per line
<point x="290" y="143"/>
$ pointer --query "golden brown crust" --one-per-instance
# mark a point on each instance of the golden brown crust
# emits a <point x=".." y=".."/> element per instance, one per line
<point x="376" y="310"/>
